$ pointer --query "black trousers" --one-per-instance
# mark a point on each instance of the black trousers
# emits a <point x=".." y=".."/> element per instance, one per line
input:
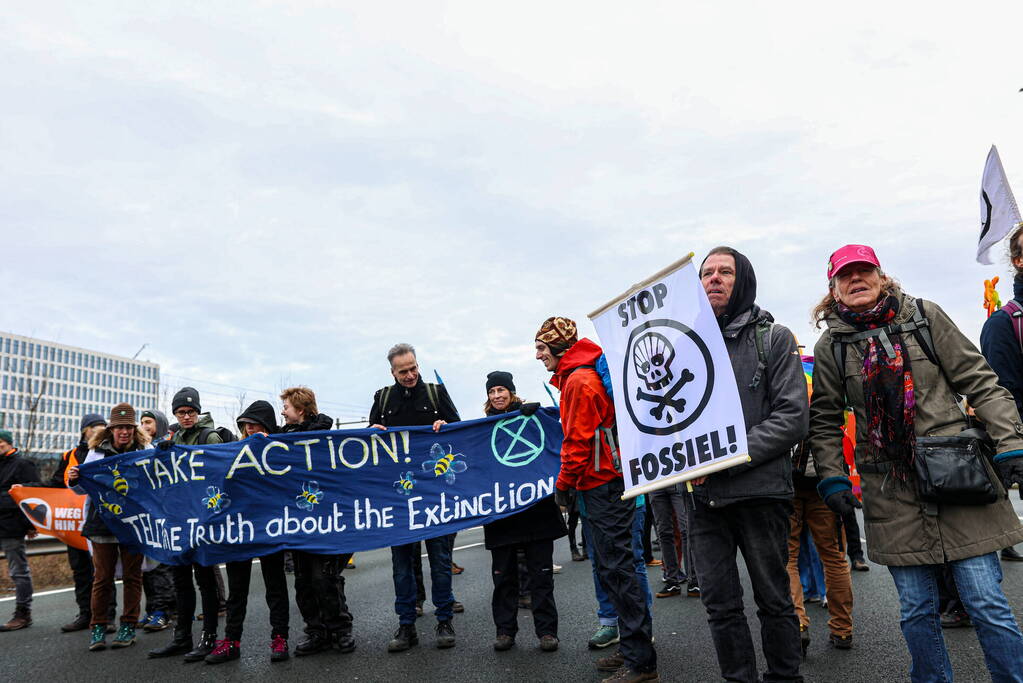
<point x="184" y="591"/>
<point x="417" y="567"/>
<point x="158" y="587"/>
<point x="320" y="592"/>
<point x="761" y="532"/>
<point x="81" y="567"/>
<point x="539" y="565"/>
<point x="238" y="577"/>
<point x="610" y="522"/>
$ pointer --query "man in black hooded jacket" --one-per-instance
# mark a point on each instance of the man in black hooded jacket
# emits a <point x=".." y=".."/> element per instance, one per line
<point x="747" y="507"/>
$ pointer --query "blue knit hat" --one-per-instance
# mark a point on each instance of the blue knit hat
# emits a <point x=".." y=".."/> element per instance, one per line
<point x="90" y="419"/>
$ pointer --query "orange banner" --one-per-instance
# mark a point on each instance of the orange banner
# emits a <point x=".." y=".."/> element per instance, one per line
<point x="55" y="512"/>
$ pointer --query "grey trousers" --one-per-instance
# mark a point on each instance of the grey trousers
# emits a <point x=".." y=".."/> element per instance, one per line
<point x="670" y="508"/>
<point x="17" y="568"/>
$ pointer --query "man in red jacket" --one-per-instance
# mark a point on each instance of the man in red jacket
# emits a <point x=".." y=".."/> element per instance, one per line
<point x="587" y="465"/>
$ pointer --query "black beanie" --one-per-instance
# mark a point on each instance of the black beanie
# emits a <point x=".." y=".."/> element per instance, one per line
<point x="186" y="397"/>
<point x="500" y="378"/>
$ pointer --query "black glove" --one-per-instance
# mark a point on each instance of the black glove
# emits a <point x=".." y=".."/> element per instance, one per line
<point x="562" y="498"/>
<point x="843" y="502"/>
<point x="1011" y="472"/>
<point x="165" y="445"/>
<point x="529" y="409"/>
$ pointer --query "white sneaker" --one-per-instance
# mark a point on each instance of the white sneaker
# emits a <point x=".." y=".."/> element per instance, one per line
<point x="557" y="569"/>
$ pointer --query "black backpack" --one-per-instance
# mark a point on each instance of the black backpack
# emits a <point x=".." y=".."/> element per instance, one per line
<point x="225" y="434"/>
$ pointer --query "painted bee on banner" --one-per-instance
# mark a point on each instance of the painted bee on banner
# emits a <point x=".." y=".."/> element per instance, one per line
<point x="310" y="496"/>
<point x="443" y="463"/>
<point x="113" y="508"/>
<point x="119" y="482"/>
<point x="216" y="499"/>
<point x="405" y="484"/>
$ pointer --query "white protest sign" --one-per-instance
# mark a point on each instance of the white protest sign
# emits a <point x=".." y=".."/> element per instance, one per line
<point x="999" y="214"/>
<point x="676" y="402"/>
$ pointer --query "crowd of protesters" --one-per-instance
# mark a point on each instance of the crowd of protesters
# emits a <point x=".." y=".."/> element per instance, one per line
<point x="898" y="363"/>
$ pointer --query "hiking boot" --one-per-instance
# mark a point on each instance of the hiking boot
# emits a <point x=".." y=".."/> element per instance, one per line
<point x="611" y="662"/>
<point x="576" y="555"/>
<point x="804" y="639"/>
<point x="98" y="641"/>
<point x="605" y="635"/>
<point x="207" y="641"/>
<point x="858" y="565"/>
<point x="457" y="607"/>
<point x="525" y="602"/>
<point x="504" y="642"/>
<point x="179" y="645"/>
<point x="80" y="623"/>
<point x="158" y="621"/>
<point x="345" y="642"/>
<point x="404" y="638"/>
<point x="314" y="642"/>
<point x="693" y="591"/>
<point x="670" y="590"/>
<point x="22" y="619"/>
<point x="125" y="636"/>
<point x="224" y="651"/>
<point x="1010" y="555"/>
<point x="840" y="642"/>
<point x="627" y="675"/>
<point x="955" y="619"/>
<point x="455" y="569"/>
<point x="279" y="649"/>
<point x="549" y="643"/>
<point x="445" y="635"/>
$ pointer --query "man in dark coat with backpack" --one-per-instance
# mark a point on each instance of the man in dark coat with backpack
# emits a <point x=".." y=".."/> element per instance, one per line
<point x="1001" y="342"/>
<point x="747" y="507"/>
<point x="411" y="402"/>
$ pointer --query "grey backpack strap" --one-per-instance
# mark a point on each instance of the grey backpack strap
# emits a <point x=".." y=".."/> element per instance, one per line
<point x="385" y="395"/>
<point x="431" y="393"/>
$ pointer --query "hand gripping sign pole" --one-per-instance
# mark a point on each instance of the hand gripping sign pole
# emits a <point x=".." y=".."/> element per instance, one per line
<point x="677" y="405"/>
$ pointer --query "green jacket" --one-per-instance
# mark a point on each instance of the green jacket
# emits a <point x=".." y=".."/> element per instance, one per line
<point x="899" y="530"/>
<point x="190" y="437"/>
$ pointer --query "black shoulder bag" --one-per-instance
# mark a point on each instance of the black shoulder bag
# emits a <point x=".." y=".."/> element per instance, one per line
<point x="951" y="470"/>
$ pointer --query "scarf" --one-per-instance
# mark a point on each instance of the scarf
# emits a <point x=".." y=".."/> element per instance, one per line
<point x="888" y="392"/>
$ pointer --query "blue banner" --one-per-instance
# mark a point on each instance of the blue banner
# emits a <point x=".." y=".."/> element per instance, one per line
<point x="327" y="491"/>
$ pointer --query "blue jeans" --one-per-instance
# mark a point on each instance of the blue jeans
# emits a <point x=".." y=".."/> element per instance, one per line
<point x="402" y="558"/>
<point x="606" y="613"/>
<point x="979" y="581"/>
<point x="811" y="571"/>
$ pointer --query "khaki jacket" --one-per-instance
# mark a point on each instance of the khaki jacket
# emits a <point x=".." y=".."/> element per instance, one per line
<point x="899" y="530"/>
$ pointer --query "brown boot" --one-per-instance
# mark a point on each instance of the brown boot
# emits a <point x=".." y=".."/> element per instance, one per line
<point x="22" y="619"/>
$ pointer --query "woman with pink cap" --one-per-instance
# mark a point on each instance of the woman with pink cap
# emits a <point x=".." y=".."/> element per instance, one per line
<point x="902" y="365"/>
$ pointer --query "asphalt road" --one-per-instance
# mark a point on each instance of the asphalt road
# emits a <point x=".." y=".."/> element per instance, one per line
<point x="684" y="647"/>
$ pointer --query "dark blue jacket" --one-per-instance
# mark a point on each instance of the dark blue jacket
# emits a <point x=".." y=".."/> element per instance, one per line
<point x="1000" y="347"/>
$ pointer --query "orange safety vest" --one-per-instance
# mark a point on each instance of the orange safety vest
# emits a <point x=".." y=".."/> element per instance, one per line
<point x="72" y="460"/>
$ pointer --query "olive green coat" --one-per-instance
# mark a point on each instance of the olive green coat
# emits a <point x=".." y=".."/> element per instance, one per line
<point x="899" y="530"/>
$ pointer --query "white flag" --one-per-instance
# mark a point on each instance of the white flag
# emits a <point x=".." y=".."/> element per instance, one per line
<point x="675" y="397"/>
<point x="999" y="214"/>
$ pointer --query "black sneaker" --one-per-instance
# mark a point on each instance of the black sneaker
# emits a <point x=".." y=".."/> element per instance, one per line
<point x="345" y="642"/>
<point x="1010" y="555"/>
<point x="313" y="643"/>
<point x="179" y="645"/>
<point x="404" y="638"/>
<point x="445" y="635"/>
<point x="955" y="619"/>
<point x="693" y="591"/>
<point x="504" y="642"/>
<point x="670" y="590"/>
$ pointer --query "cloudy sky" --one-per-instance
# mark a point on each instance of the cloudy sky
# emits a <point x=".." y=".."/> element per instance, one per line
<point x="273" y="194"/>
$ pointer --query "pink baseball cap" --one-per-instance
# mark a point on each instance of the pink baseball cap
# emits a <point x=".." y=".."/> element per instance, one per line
<point x="851" y="253"/>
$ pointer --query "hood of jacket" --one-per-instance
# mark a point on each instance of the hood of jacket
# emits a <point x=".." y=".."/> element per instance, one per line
<point x="751" y="316"/>
<point x="261" y="412"/>
<point x="583" y="352"/>
<point x="190" y="436"/>
<point x="314" y="424"/>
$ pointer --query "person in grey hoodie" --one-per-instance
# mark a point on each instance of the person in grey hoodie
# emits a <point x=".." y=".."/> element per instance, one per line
<point x="157" y="578"/>
<point x="747" y="507"/>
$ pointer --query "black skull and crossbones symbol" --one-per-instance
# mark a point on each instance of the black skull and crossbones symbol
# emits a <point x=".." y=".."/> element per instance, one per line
<point x="652" y="356"/>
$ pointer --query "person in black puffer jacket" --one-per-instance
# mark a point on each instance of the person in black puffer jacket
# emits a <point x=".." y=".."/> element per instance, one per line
<point x="319" y="584"/>
<point x="531" y="531"/>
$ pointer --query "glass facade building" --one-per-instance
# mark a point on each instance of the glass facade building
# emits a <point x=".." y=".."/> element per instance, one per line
<point x="46" y="388"/>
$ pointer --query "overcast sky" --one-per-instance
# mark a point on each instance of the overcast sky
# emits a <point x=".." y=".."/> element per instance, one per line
<point x="275" y="194"/>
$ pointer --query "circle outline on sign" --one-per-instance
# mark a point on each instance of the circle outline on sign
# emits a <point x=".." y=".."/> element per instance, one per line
<point x="515" y="438"/>
<point x="25" y="505"/>
<point x="708" y="361"/>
